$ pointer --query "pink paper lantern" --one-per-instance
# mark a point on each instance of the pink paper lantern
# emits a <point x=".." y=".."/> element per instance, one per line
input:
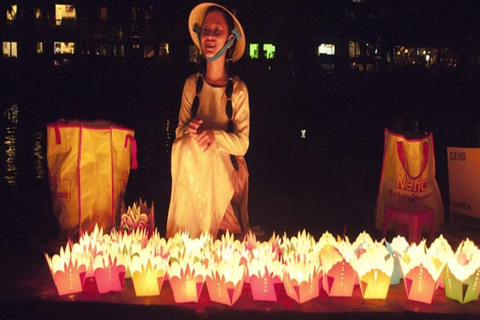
<point x="67" y="269"/>
<point x="339" y="281"/>
<point x="109" y="273"/>
<point x="187" y="285"/>
<point x="420" y="285"/>
<point x="266" y="288"/>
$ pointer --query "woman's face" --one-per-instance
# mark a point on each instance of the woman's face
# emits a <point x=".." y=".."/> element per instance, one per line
<point x="214" y="33"/>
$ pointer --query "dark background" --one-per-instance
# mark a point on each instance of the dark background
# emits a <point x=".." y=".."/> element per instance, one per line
<point x="327" y="181"/>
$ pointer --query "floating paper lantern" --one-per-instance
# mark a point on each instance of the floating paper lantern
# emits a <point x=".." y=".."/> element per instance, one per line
<point x="302" y="277"/>
<point x="374" y="269"/>
<point x="303" y="244"/>
<point x="443" y="251"/>
<point x="188" y="262"/>
<point x="91" y="245"/>
<point x="397" y="247"/>
<point x="265" y="272"/>
<point x="109" y="270"/>
<point x="68" y="269"/>
<point x="421" y="271"/>
<point x="360" y="245"/>
<point x="148" y="272"/>
<point x="462" y="274"/>
<point x="129" y="245"/>
<point x="186" y="278"/>
<point x="224" y="280"/>
<point x="337" y="259"/>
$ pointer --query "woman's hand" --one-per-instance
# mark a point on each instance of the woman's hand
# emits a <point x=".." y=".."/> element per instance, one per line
<point x="193" y="126"/>
<point x="204" y="138"/>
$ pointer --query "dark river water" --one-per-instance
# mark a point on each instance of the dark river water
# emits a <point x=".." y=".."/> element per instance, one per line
<point x="316" y="140"/>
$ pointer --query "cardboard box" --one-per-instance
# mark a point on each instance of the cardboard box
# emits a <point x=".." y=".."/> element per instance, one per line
<point x="464" y="189"/>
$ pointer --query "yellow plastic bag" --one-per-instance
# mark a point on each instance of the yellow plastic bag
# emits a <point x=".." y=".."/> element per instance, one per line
<point x="408" y="177"/>
<point x="89" y="164"/>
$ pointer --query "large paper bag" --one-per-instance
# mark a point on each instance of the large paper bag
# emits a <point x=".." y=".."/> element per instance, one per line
<point x="408" y="177"/>
<point x="89" y="164"/>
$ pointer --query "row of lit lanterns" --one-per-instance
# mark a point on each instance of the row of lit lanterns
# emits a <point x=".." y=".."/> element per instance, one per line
<point x="302" y="265"/>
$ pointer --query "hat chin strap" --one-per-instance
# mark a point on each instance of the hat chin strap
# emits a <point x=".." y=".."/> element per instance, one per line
<point x="236" y="35"/>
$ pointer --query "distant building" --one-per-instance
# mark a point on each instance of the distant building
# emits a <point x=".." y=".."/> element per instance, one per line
<point x="347" y="36"/>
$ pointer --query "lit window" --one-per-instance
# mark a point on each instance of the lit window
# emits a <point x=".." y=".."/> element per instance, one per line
<point x="64" y="47"/>
<point x="269" y="50"/>
<point x="254" y="50"/>
<point x="354" y="49"/>
<point x="326" y="48"/>
<point x="39" y="47"/>
<point x="163" y="50"/>
<point x="11" y="12"/>
<point x="65" y="14"/>
<point x="10" y="49"/>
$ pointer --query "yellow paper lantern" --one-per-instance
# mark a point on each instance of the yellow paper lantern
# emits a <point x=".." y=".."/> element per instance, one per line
<point x="374" y="269"/>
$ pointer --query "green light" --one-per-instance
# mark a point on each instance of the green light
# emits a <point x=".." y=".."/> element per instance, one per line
<point x="254" y="50"/>
<point x="269" y="50"/>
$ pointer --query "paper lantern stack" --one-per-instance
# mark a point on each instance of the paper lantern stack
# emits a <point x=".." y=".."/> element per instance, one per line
<point x="138" y="217"/>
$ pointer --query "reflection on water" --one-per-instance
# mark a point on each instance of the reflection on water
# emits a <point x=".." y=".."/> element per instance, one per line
<point x="30" y="162"/>
<point x="38" y="155"/>
<point x="11" y="130"/>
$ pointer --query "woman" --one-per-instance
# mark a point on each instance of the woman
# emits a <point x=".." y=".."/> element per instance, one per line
<point x="209" y="173"/>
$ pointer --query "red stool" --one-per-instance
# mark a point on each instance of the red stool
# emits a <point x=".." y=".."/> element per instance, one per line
<point x="413" y="220"/>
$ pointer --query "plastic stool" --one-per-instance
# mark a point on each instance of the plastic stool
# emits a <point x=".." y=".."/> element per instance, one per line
<point x="413" y="220"/>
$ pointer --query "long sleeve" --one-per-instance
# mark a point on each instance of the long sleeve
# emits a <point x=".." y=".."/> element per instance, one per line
<point x="184" y="115"/>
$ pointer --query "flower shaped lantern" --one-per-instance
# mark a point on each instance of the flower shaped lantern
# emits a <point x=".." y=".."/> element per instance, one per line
<point x="338" y="263"/>
<point x="68" y="269"/>
<point x="374" y="269"/>
<point x="188" y="262"/>
<point x="225" y="279"/>
<point x="109" y="269"/>
<point x="91" y="245"/>
<point x="397" y="247"/>
<point x="138" y="217"/>
<point x="302" y="277"/>
<point x="462" y="274"/>
<point x="265" y="272"/>
<point x="148" y="272"/>
<point x="421" y="270"/>
<point x="443" y="251"/>
<point x="186" y="278"/>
